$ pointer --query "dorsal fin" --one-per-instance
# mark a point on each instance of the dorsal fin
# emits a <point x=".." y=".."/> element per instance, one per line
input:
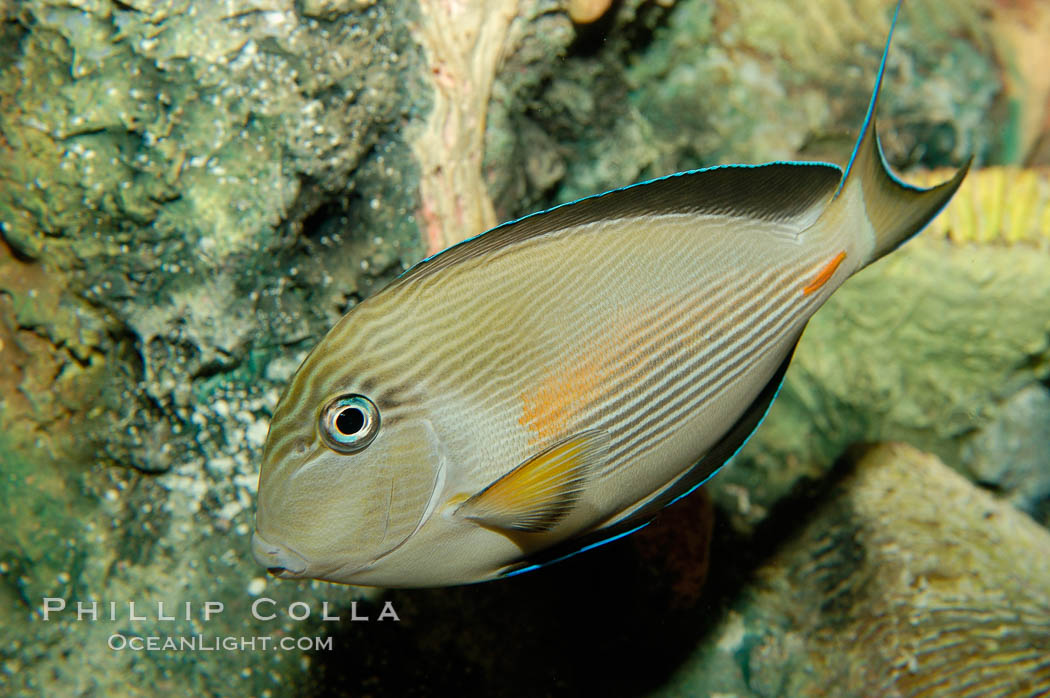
<point x="777" y="191"/>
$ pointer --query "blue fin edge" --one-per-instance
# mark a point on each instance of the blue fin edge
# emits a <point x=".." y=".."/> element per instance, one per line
<point x="870" y="115"/>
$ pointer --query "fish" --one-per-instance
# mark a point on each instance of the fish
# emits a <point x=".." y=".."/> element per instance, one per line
<point x="551" y="384"/>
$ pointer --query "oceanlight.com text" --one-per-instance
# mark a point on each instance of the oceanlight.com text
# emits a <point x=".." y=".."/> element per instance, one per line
<point x="216" y="643"/>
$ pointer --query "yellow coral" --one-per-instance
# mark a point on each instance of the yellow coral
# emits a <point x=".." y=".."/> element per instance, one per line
<point x="997" y="205"/>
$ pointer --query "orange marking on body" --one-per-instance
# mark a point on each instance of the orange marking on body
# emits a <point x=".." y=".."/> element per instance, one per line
<point x="548" y="410"/>
<point x="824" y="274"/>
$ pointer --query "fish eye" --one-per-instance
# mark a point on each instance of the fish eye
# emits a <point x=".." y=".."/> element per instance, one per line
<point x="349" y="423"/>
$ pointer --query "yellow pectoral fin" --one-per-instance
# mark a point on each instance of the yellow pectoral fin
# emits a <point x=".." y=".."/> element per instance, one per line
<point x="540" y="492"/>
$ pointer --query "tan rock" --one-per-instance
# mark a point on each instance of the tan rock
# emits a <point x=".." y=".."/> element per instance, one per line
<point x="907" y="580"/>
<point x="587" y="11"/>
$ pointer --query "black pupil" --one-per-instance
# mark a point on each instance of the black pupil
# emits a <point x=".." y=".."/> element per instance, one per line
<point x="350" y="420"/>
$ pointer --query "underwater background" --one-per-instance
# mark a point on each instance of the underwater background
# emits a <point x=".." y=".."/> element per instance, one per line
<point x="192" y="193"/>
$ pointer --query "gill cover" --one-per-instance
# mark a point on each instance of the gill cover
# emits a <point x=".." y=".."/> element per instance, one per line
<point x="343" y="511"/>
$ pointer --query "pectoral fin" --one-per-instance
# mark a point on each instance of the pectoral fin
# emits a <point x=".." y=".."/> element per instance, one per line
<point x="542" y="491"/>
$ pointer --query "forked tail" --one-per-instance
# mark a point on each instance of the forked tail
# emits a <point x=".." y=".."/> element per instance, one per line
<point x="896" y="210"/>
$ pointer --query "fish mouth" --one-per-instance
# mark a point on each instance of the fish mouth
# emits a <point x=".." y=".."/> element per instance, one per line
<point x="278" y="560"/>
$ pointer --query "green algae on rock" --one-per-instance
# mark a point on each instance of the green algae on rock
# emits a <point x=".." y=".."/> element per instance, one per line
<point x="159" y="164"/>
<point x="168" y="156"/>
<point x="715" y="66"/>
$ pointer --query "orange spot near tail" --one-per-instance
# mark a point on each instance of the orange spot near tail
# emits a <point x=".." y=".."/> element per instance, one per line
<point x="824" y="274"/>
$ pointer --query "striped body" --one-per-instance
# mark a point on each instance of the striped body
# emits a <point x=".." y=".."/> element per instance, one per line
<point x="646" y="343"/>
<point x="632" y="331"/>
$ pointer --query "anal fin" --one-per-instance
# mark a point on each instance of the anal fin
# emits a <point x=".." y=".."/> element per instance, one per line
<point x="540" y="492"/>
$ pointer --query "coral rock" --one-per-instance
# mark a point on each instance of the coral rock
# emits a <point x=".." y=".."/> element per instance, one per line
<point x="906" y="581"/>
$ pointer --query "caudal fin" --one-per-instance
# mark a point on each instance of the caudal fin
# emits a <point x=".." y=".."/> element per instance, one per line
<point x="896" y="210"/>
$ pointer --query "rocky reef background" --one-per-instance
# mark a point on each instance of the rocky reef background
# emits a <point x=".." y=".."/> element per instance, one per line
<point x="192" y="193"/>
